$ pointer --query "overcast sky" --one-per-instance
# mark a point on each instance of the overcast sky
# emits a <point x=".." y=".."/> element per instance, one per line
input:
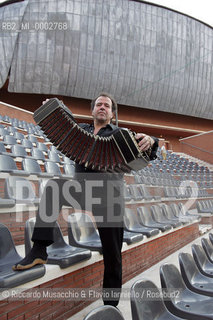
<point x="199" y="9"/>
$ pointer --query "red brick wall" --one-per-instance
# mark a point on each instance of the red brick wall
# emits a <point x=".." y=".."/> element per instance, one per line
<point x="15" y="113"/>
<point x="15" y="221"/>
<point x="199" y="146"/>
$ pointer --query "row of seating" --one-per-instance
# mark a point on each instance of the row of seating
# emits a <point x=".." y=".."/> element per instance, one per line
<point x="8" y="165"/>
<point x="9" y="140"/>
<point x="157" y="217"/>
<point x="38" y="152"/>
<point x="180" y="160"/>
<point x="172" y="158"/>
<point x="83" y="238"/>
<point x="205" y="206"/>
<point x="54" y="156"/>
<point x="180" y="166"/>
<point x="59" y="252"/>
<point x="83" y="234"/>
<point x="29" y="127"/>
<point x="185" y="294"/>
<point x="18" y="150"/>
<point x="185" y="192"/>
<point x="158" y="178"/>
<point x="32" y="167"/>
<point x="139" y="192"/>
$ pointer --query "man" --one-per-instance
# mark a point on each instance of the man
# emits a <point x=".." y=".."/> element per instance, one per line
<point x="106" y="204"/>
<point x="163" y="151"/>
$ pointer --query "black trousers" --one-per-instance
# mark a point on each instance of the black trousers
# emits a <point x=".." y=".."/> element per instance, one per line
<point x="59" y="192"/>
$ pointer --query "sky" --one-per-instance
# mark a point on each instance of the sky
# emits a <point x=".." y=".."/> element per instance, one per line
<point x="199" y="9"/>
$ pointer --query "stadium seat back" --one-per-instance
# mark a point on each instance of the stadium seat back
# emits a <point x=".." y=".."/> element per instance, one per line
<point x="144" y="308"/>
<point x="82" y="232"/>
<point x="104" y="313"/>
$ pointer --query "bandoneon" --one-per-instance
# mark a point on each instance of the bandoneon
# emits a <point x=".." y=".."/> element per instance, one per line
<point x="117" y="153"/>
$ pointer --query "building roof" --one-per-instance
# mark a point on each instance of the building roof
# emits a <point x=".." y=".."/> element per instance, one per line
<point x="145" y="55"/>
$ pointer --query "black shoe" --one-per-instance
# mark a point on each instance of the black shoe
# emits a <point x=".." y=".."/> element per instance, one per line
<point x="33" y="258"/>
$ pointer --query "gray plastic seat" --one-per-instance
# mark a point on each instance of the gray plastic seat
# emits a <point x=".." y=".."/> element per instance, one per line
<point x="11" y="129"/>
<point x="170" y="192"/>
<point x="20" y="190"/>
<point x="158" y="216"/>
<point x="32" y="166"/>
<point x="42" y="147"/>
<point x="54" y="149"/>
<point x="131" y="224"/>
<point x="184" y="212"/>
<point x="143" y="308"/>
<point x="130" y="237"/>
<point x="7" y="119"/>
<point x="82" y="232"/>
<point x="30" y="130"/>
<point x="67" y="160"/>
<point x="6" y="203"/>
<point x="21" y="124"/>
<point x="145" y="218"/>
<point x="136" y="195"/>
<point x="27" y="144"/>
<point x="192" y="277"/>
<point x="52" y="168"/>
<point x="7" y="164"/>
<point x="202" y="208"/>
<point x="182" y="215"/>
<point x="69" y="169"/>
<point x="19" y="151"/>
<point x="168" y="213"/>
<point x="53" y="156"/>
<point x="211" y="237"/>
<point x="202" y="262"/>
<point x="37" y="154"/>
<point x="208" y="248"/>
<point x="4" y="132"/>
<point x="181" y="301"/>
<point x="137" y="179"/>
<point x="9" y="257"/>
<point x="19" y="135"/>
<point x="59" y="252"/>
<point x="32" y="138"/>
<point x="9" y="140"/>
<point x="106" y="312"/>
<point x="147" y="195"/>
<point x="3" y="150"/>
<point x="127" y="194"/>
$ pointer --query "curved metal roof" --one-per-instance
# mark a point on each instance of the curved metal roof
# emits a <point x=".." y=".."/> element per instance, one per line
<point x="145" y="55"/>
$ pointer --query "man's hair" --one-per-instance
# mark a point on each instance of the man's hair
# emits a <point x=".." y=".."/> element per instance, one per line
<point x="104" y="94"/>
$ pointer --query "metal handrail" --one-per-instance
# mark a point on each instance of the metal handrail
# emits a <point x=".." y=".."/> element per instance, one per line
<point x="191" y="145"/>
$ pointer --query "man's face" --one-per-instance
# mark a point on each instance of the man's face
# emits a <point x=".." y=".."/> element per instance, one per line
<point x="102" y="111"/>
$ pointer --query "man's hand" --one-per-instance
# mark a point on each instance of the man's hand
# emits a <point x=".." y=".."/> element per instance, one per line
<point x="43" y="102"/>
<point x="145" y="141"/>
